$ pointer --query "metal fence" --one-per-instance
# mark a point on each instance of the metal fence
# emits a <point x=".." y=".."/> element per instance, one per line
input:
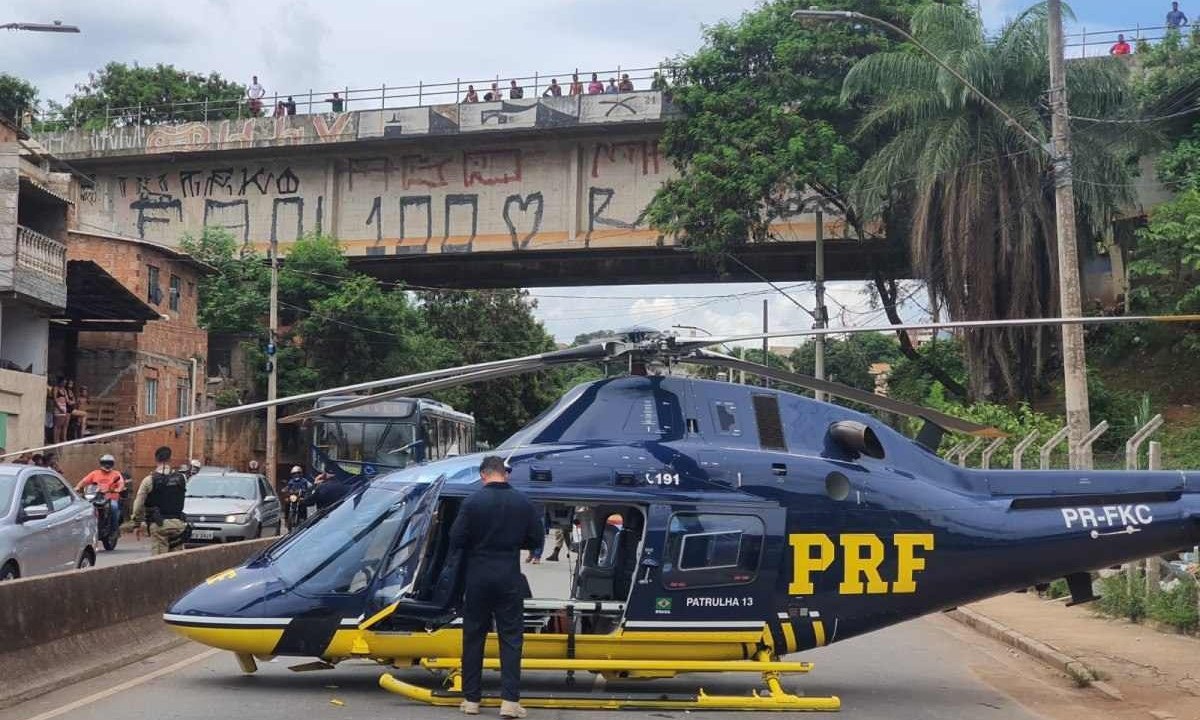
<point x="1098" y="42"/>
<point x="1057" y="443"/>
<point x="383" y="96"/>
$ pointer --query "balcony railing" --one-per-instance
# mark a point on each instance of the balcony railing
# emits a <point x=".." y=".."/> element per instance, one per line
<point x="41" y="254"/>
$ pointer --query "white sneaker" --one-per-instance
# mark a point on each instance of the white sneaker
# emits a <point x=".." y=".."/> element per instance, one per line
<point x="468" y="707"/>
<point x="510" y="709"/>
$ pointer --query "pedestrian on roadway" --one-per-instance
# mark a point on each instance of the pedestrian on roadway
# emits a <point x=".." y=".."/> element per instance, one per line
<point x="159" y="504"/>
<point x="492" y="527"/>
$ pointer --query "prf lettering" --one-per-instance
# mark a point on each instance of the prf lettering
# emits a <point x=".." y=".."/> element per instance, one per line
<point x="862" y="554"/>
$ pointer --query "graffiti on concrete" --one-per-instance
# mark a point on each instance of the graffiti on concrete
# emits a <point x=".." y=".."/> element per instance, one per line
<point x="520" y="197"/>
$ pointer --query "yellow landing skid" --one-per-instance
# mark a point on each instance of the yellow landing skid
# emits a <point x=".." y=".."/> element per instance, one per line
<point x="773" y="698"/>
<point x="631" y="666"/>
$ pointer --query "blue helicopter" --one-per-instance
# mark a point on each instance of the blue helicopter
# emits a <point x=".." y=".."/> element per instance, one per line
<point x="750" y="523"/>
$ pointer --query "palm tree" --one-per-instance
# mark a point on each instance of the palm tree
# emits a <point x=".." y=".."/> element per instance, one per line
<point x="973" y="194"/>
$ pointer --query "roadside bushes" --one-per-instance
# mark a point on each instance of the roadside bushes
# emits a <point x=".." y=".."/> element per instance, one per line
<point x="1174" y="607"/>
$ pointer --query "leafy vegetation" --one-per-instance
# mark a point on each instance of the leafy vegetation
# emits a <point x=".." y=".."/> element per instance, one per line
<point x="1125" y="597"/>
<point x="130" y="94"/>
<point x="977" y="194"/>
<point x="16" y="96"/>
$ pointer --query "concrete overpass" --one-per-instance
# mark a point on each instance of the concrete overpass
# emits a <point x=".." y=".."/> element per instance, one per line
<point x="532" y="192"/>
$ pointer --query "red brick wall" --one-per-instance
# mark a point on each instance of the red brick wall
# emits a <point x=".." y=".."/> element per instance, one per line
<point x="117" y="365"/>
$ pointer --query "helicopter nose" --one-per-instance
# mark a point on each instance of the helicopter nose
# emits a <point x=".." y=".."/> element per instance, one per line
<point x="227" y="611"/>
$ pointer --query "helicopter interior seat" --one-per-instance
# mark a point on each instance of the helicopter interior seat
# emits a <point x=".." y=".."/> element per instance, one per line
<point x="607" y="561"/>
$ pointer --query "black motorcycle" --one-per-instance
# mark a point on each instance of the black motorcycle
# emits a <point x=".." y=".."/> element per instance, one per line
<point x="296" y="508"/>
<point x="107" y="531"/>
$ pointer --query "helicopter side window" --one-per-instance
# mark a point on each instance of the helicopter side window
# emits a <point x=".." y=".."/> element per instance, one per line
<point x="725" y="414"/>
<point x="704" y="550"/>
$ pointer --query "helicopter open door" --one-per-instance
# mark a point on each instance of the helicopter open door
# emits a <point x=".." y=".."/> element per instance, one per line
<point x="408" y="560"/>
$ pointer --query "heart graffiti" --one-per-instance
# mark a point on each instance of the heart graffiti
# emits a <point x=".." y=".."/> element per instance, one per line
<point x="523" y="204"/>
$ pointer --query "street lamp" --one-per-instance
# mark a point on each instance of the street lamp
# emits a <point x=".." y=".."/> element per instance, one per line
<point x="55" y="27"/>
<point x="1059" y="151"/>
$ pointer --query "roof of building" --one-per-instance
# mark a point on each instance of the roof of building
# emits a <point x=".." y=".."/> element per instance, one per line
<point x="173" y="253"/>
<point x="98" y="301"/>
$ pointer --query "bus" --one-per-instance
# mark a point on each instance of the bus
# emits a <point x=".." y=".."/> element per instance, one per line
<point x="387" y="435"/>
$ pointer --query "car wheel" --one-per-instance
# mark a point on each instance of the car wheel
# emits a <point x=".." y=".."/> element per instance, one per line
<point x="87" y="559"/>
<point x="9" y="572"/>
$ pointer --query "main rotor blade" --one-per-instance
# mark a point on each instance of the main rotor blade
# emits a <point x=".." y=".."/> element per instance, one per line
<point x="964" y="324"/>
<point x="419" y="388"/>
<point x="881" y="402"/>
<point x="592" y="351"/>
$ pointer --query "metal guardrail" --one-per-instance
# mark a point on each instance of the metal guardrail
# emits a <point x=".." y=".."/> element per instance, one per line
<point x="41" y="254"/>
<point x="311" y="101"/>
<point x="1104" y="39"/>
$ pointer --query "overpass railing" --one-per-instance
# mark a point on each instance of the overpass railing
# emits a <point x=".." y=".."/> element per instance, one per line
<point x="366" y="98"/>
<point x="1097" y="42"/>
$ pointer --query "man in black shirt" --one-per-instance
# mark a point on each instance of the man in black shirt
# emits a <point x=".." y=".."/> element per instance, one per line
<point x="493" y="526"/>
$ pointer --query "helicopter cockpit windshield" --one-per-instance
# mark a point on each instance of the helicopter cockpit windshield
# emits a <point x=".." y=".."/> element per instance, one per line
<point x="345" y="549"/>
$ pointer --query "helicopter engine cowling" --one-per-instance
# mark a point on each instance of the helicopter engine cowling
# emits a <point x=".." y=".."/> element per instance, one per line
<point x="857" y="438"/>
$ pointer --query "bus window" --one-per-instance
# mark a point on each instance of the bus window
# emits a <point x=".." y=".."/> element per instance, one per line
<point x="432" y="448"/>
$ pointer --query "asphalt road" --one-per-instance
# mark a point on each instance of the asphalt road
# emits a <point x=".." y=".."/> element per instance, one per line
<point x="127" y="550"/>
<point x="929" y="669"/>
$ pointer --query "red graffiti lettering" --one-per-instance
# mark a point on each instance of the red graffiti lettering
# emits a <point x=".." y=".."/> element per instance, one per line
<point x="491" y="167"/>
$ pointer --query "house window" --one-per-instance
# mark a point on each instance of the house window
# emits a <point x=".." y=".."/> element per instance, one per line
<point x="176" y="290"/>
<point x="153" y="293"/>
<point x="181" y="400"/>
<point x="151" y="397"/>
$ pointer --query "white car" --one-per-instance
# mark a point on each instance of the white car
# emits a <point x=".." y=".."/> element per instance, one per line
<point x="44" y="526"/>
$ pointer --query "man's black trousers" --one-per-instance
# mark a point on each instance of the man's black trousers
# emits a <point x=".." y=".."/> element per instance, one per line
<point x="501" y="599"/>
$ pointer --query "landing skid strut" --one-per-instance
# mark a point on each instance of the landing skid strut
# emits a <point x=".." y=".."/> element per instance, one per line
<point x="773" y="697"/>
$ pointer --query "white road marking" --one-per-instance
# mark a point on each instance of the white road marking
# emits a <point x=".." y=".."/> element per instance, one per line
<point x="83" y="702"/>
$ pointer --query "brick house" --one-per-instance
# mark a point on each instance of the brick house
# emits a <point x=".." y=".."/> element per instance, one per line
<point x="139" y="377"/>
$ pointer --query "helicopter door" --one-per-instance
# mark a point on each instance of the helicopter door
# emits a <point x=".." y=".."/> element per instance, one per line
<point x="707" y="567"/>
<point x="404" y="561"/>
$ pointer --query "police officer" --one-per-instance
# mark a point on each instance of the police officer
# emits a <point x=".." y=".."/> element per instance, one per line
<point x="328" y="490"/>
<point x="159" y="503"/>
<point x="493" y="525"/>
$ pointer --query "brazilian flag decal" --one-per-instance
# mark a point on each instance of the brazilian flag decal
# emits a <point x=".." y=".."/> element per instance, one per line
<point x="662" y="605"/>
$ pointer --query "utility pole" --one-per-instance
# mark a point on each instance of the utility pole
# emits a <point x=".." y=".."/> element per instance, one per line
<point x="1074" y="373"/>
<point x="822" y="312"/>
<point x="766" y="345"/>
<point x="272" y="365"/>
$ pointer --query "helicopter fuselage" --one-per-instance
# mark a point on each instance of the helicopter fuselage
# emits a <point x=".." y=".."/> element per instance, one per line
<point x="747" y="524"/>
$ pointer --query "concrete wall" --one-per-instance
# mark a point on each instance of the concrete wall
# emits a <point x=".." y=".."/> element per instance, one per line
<point x="23" y="401"/>
<point x="63" y="628"/>
<point x="24" y="335"/>
<point x="330" y="128"/>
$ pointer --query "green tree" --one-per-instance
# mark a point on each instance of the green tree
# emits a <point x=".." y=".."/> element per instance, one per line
<point x="360" y="331"/>
<point x="233" y="297"/>
<point x="494" y="325"/>
<point x="16" y="96"/>
<point x="313" y="269"/>
<point x="129" y="94"/>
<point x="762" y="123"/>
<point x="977" y="194"/>
<point x="848" y="361"/>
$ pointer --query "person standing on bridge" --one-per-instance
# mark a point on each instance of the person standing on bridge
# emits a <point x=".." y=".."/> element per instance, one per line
<point x="255" y="93"/>
<point x="472" y="96"/>
<point x="159" y="504"/>
<point x="336" y="103"/>
<point x="576" y="86"/>
<point x="1175" y="18"/>
<point x="492" y="527"/>
<point x="595" y="87"/>
<point x="1120" y="47"/>
<point x="515" y="91"/>
<point x="555" y="90"/>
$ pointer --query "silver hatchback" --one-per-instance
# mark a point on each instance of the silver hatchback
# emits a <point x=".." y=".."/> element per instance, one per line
<point x="44" y="526"/>
<point x="224" y="506"/>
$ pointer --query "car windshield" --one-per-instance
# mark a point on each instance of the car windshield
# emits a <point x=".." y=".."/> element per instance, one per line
<point x="221" y="486"/>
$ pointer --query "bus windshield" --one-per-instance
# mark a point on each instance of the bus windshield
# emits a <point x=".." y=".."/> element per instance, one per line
<point x="358" y="442"/>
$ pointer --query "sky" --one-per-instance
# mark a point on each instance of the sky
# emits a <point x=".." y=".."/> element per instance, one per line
<point x="295" y="45"/>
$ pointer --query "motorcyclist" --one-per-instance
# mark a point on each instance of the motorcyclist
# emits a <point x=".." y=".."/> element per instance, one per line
<point x="301" y="487"/>
<point x="109" y="482"/>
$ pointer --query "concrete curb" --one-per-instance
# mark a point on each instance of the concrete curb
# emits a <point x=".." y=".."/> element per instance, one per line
<point x="1049" y="655"/>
